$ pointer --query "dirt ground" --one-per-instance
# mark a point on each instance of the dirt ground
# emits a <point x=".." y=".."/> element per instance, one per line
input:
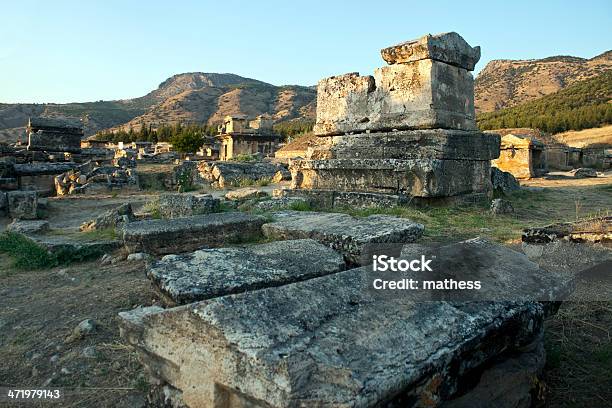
<point x="39" y="310"/>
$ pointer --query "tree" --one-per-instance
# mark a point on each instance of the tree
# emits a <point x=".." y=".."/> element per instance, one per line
<point x="187" y="142"/>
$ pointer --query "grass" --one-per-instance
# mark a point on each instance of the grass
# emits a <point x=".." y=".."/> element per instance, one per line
<point x="244" y="158"/>
<point x="152" y="207"/>
<point x="578" y="344"/>
<point x="99" y="235"/>
<point x="249" y="182"/>
<point x="25" y="253"/>
<point x="532" y="208"/>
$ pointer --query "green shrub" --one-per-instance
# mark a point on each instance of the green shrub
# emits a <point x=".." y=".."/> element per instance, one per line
<point x="244" y="158"/>
<point x="300" y="206"/>
<point x="26" y="253"/>
<point x="152" y="207"/>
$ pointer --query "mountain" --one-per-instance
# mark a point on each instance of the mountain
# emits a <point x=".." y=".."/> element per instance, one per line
<point x="506" y="83"/>
<point x="194" y="97"/>
<point x="582" y="105"/>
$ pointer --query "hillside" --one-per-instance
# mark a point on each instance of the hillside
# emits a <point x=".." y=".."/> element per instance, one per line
<point x="601" y="136"/>
<point x="583" y="105"/>
<point x="194" y="97"/>
<point x="506" y="83"/>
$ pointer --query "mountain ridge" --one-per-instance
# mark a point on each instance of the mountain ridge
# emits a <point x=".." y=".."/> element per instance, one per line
<point x="506" y="83"/>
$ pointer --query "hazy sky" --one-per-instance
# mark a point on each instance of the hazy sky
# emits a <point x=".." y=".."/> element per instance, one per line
<point x="68" y="51"/>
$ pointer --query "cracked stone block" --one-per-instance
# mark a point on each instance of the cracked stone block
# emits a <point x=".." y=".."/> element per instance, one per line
<point x="185" y="234"/>
<point x="412" y="177"/>
<point x="22" y="204"/>
<point x="210" y="273"/>
<point x="449" y="48"/>
<point x="342" y="232"/>
<point x="55" y="141"/>
<point x="185" y="205"/>
<point x="444" y="144"/>
<point x="424" y="94"/>
<point x="28" y="226"/>
<point x="329" y="341"/>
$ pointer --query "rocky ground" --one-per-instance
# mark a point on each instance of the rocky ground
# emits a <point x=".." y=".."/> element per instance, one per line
<point x="40" y="310"/>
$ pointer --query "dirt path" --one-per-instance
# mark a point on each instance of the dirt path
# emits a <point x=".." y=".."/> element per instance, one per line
<point x="39" y="311"/>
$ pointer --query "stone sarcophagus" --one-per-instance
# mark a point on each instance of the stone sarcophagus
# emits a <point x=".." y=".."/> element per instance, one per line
<point x="409" y="129"/>
<point x="54" y="135"/>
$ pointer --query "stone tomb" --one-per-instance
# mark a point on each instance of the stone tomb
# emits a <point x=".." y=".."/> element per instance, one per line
<point x="410" y="129"/>
<point x="162" y="237"/>
<point x="54" y="135"/>
<point x="210" y="273"/>
<point x="330" y="341"/>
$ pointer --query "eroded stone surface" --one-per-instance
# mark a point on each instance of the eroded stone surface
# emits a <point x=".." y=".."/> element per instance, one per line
<point x="424" y="94"/>
<point x="504" y="181"/>
<point x="422" y="177"/>
<point x="329" y="342"/>
<point x="185" y="205"/>
<point x="22" y="204"/>
<point x="245" y="193"/>
<point x="28" y="226"/>
<point x="210" y="273"/>
<point x="114" y="218"/>
<point x="342" y="232"/>
<point x="161" y="237"/>
<point x="408" y="144"/>
<point x="450" y="48"/>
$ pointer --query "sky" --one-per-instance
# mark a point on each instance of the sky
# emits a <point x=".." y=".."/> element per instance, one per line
<point x="76" y="51"/>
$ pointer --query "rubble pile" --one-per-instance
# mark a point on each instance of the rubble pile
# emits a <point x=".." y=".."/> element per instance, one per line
<point x="223" y="174"/>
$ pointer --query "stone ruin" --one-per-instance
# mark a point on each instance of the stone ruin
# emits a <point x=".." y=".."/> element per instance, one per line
<point x="96" y="178"/>
<point x="54" y="135"/>
<point x="276" y="311"/>
<point x="408" y="130"/>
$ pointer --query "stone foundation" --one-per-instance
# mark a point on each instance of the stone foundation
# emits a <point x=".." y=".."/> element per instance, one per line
<point x="413" y="177"/>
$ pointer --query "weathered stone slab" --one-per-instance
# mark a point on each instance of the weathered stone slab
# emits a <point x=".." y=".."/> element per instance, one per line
<point x="186" y="205"/>
<point x="584" y="172"/>
<point x="22" y="204"/>
<point x="339" y="199"/>
<point x="36" y="169"/>
<point x="161" y="237"/>
<point x="415" y="177"/>
<point x="68" y="125"/>
<point x="342" y="232"/>
<point x="28" y="226"/>
<point x="330" y="342"/>
<point x="281" y="203"/>
<point x="424" y="94"/>
<point x="450" y="48"/>
<point x="408" y="144"/>
<point x="82" y="248"/>
<point x="113" y="218"/>
<point x="54" y="141"/>
<point x="246" y="193"/>
<point x="210" y="273"/>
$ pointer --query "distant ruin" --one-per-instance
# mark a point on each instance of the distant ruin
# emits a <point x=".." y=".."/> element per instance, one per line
<point x="240" y="136"/>
<point x="408" y="130"/>
<point x="522" y="155"/>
